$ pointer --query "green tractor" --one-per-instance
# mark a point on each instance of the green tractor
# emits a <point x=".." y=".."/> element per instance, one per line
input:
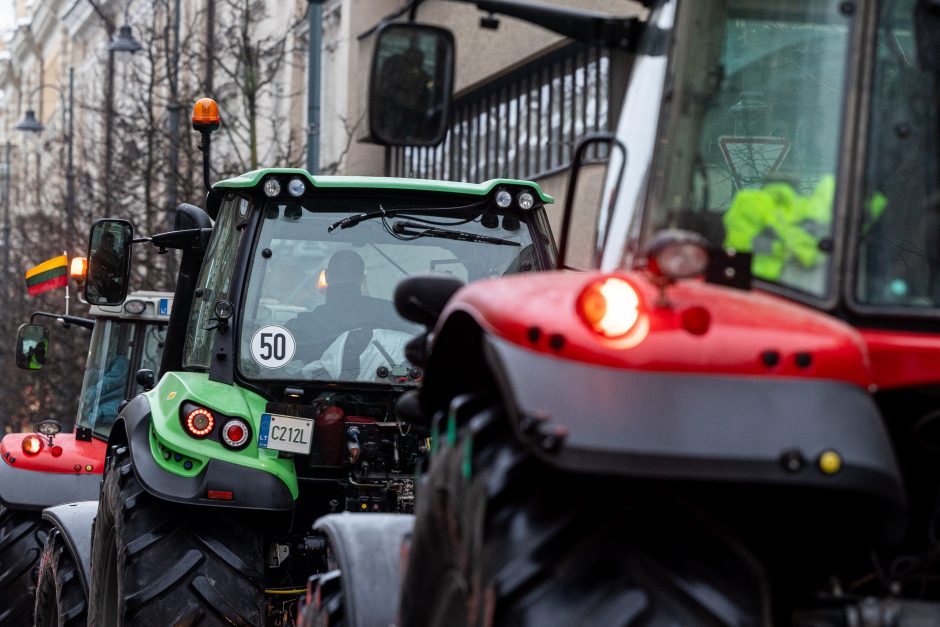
<point x="276" y="397"/>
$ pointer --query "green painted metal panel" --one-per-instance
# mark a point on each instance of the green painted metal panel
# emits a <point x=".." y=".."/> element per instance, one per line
<point x="167" y="432"/>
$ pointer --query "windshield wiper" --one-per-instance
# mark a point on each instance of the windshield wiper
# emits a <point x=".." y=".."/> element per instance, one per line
<point x="422" y="230"/>
<point x="347" y="222"/>
<point x="351" y="221"/>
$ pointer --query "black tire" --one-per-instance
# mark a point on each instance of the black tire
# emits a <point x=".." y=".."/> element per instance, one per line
<point x="22" y="534"/>
<point x="327" y="607"/>
<point x="161" y="563"/>
<point x="521" y="543"/>
<point x="60" y="598"/>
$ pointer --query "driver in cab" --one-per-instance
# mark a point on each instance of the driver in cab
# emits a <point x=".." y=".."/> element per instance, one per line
<point x="346" y="308"/>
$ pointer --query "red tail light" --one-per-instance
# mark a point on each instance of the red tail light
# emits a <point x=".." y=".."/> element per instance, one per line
<point x="235" y="433"/>
<point x="32" y="444"/>
<point x="199" y="422"/>
<point x="610" y="307"/>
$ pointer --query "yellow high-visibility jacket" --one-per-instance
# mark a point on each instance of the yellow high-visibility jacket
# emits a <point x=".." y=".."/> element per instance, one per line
<point x="775" y="224"/>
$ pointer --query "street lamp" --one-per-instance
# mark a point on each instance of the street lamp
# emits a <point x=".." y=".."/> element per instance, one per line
<point x="31" y="125"/>
<point x="5" y="270"/>
<point x="124" y="42"/>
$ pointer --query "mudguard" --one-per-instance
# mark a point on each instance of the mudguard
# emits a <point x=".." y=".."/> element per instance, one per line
<point x="697" y="426"/>
<point x="251" y="488"/>
<point x="35" y="490"/>
<point x="75" y="521"/>
<point x="368" y="551"/>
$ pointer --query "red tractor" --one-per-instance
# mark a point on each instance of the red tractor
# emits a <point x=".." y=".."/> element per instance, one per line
<point x="733" y="418"/>
<point x="48" y="468"/>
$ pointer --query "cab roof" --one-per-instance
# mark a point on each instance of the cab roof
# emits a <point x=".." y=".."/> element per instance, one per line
<point x="253" y="178"/>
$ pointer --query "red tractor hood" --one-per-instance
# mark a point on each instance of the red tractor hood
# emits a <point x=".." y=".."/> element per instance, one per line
<point x="77" y="456"/>
<point x="693" y="327"/>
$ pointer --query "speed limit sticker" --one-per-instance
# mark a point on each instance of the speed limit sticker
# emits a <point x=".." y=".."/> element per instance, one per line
<point x="272" y="346"/>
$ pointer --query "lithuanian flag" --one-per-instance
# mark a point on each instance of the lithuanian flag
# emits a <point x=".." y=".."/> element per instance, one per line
<point x="48" y="275"/>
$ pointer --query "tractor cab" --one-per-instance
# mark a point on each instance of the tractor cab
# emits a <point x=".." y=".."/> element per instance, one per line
<point x="307" y="267"/>
<point x="126" y="340"/>
<point x="801" y="133"/>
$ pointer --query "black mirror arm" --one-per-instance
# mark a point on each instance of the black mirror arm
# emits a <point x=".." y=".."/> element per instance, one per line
<point x="64" y="319"/>
<point x="589" y="26"/>
<point x="186" y="239"/>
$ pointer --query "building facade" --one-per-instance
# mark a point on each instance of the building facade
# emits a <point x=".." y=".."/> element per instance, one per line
<point x="523" y="98"/>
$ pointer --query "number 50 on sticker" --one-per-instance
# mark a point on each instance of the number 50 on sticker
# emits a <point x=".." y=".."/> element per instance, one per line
<point x="272" y="346"/>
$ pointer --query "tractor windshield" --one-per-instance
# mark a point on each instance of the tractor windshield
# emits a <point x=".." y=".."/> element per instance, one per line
<point x="318" y="304"/>
<point x="106" y="373"/>
<point x="898" y="251"/>
<point x="749" y="157"/>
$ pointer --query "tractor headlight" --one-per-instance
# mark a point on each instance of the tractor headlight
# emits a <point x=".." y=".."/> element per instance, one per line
<point x="296" y="187"/>
<point x="135" y="307"/>
<point x="272" y="187"/>
<point x="526" y="200"/>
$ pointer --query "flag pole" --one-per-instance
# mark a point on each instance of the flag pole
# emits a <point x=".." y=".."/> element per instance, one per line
<point x="66" y="253"/>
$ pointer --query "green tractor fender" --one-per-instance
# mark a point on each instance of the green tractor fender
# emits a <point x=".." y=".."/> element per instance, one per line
<point x="174" y="466"/>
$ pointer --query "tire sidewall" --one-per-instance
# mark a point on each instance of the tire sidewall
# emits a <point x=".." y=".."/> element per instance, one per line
<point x="105" y="535"/>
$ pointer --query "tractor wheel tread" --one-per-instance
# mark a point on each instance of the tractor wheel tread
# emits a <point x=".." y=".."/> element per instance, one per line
<point x="216" y="601"/>
<point x="165" y="581"/>
<point x="21" y="538"/>
<point x="199" y="566"/>
<point x="60" y="598"/>
<point x="499" y="547"/>
<point x="230" y="557"/>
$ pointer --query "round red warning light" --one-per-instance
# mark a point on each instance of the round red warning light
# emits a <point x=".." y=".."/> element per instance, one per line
<point x="199" y="422"/>
<point x="235" y="433"/>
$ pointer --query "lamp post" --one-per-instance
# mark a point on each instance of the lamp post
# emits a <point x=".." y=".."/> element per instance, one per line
<point x="5" y="270"/>
<point x="123" y="42"/>
<point x="31" y="125"/>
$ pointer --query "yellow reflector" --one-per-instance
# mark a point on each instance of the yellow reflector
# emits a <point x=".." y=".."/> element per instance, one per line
<point x="830" y="462"/>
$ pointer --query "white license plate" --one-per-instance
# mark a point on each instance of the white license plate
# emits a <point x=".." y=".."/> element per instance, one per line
<point x="283" y="433"/>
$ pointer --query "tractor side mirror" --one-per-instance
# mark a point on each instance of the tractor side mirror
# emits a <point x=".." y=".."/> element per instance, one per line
<point x="32" y="346"/>
<point x="109" y="262"/>
<point x="421" y="298"/>
<point x="411" y="85"/>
